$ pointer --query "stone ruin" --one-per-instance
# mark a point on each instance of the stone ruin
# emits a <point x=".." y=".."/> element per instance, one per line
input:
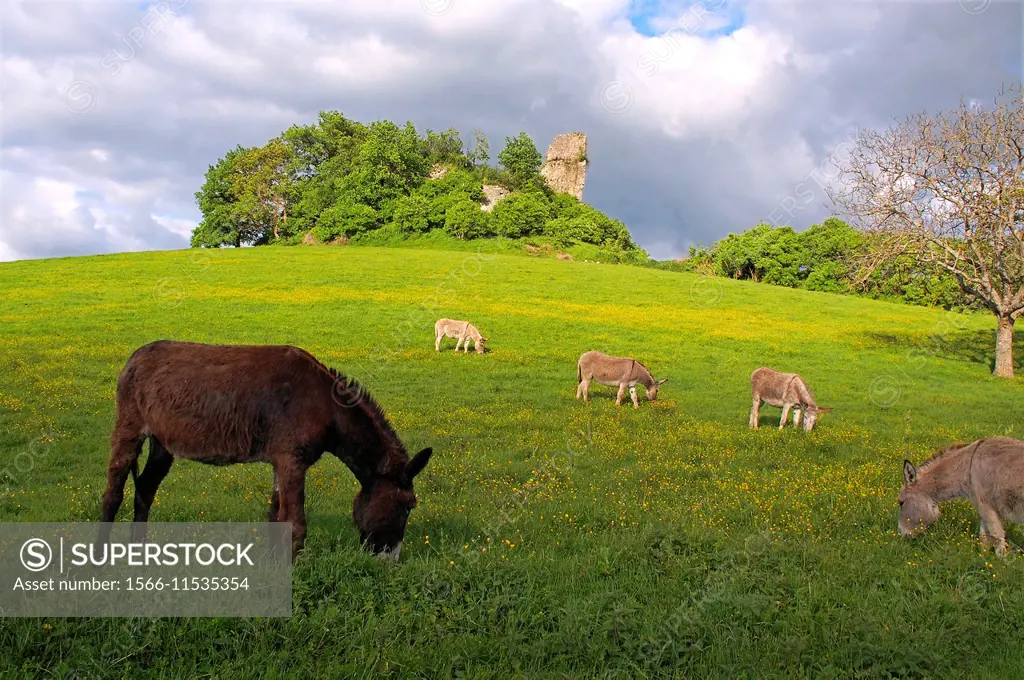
<point x="564" y="169"/>
<point x="565" y="165"/>
<point x="492" y="194"/>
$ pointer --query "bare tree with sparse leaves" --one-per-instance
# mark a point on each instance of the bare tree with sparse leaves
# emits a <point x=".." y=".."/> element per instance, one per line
<point x="949" y="189"/>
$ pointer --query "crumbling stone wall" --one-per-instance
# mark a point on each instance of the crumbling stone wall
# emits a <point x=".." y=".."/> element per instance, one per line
<point x="492" y="194"/>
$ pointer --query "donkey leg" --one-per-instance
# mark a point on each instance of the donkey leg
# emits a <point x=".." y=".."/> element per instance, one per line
<point x="992" y="528"/>
<point x="291" y="487"/>
<point x="586" y="390"/>
<point x="755" y="412"/>
<point x="275" y="502"/>
<point x="785" y="416"/>
<point x="798" y="415"/>
<point x="437" y="342"/>
<point x="632" y="395"/>
<point x="124" y="454"/>
<point x="579" y="390"/>
<point x="158" y="464"/>
<point x="622" y="391"/>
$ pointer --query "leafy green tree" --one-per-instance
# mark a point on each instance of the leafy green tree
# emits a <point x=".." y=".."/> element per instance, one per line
<point x="765" y="253"/>
<point x="453" y="181"/>
<point x="521" y="160"/>
<point x="581" y="222"/>
<point x="522" y="214"/>
<point x="831" y="249"/>
<point x="216" y="200"/>
<point x="260" y="185"/>
<point x="480" y="153"/>
<point x="323" y="154"/>
<point x="465" y="220"/>
<point x="445" y="148"/>
<point x="390" y="165"/>
<point x="345" y="218"/>
<point x="412" y="213"/>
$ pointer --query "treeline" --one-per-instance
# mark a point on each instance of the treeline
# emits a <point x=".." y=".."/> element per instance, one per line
<point x="832" y="257"/>
<point x="341" y="180"/>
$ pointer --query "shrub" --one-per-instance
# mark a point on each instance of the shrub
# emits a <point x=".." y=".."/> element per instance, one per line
<point x="412" y="213"/>
<point x="522" y="214"/>
<point x="465" y="220"/>
<point x="345" y="218"/>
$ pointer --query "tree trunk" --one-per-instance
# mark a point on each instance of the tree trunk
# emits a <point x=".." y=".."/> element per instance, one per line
<point x="1004" y="347"/>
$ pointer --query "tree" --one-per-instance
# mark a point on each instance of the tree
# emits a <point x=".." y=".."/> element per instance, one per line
<point x="215" y="199"/>
<point x="520" y="159"/>
<point x="948" y="189"/>
<point x="521" y="214"/>
<point x="445" y="147"/>
<point x="345" y="218"/>
<point x="465" y="220"/>
<point x="412" y="214"/>
<point x="390" y="165"/>
<point x="480" y="153"/>
<point x="260" y="184"/>
<point x="322" y="155"/>
<point x="765" y="253"/>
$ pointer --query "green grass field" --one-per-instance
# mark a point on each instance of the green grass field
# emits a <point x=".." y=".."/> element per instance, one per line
<point x="553" y="538"/>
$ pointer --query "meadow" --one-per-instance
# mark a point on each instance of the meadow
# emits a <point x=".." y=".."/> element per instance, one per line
<point x="553" y="538"/>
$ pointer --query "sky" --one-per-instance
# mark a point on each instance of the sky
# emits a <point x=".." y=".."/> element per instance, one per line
<point x="702" y="118"/>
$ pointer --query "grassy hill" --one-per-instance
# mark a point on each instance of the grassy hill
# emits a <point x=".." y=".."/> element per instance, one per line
<point x="553" y="539"/>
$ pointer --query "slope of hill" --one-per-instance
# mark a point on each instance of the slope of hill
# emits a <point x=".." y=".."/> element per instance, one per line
<point x="552" y="537"/>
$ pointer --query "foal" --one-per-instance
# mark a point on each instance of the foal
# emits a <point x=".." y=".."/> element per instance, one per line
<point x="225" y="404"/>
<point x="786" y="391"/>
<point x="462" y="331"/>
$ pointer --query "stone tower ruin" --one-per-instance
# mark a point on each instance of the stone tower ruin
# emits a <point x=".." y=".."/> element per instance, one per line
<point x="565" y="165"/>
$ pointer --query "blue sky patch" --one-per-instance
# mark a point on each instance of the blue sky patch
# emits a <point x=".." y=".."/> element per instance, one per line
<point x="706" y="18"/>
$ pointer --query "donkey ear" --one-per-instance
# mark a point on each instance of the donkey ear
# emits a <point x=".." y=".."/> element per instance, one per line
<point x="662" y="382"/>
<point x="909" y="472"/>
<point x="825" y="408"/>
<point x="418" y="462"/>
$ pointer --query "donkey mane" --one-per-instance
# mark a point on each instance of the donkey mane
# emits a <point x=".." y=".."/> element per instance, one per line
<point x="359" y="397"/>
<point x="941" y="454"/>
<point x="643" y="366"/>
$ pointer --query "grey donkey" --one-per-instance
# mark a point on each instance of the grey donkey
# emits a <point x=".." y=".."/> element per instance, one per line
<point x="989" y="472"/>
<point x="786" y="391"/>
<point x="462" y="331"/>
<point x="621" y="372"/>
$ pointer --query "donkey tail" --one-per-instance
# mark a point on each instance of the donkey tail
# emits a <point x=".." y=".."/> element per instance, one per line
<point x="579" y="373"/>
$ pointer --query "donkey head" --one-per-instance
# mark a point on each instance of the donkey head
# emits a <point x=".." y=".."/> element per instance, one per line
<point x="810" y="415"/>
<point x="381" y="508"/>
<point x="480" y="344"/>
<point x="918" y="510"/>
<point x="652" y="392"/>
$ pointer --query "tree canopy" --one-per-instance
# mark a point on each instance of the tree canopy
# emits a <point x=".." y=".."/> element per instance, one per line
<point x="340" y="179"/>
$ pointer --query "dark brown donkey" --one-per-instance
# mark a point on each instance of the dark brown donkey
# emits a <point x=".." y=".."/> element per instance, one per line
<point x="225" y="404"/>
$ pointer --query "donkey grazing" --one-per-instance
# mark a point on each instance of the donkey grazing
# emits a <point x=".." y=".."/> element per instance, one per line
<point x="225" y="404"/>
<point x="621" y="372"/>
<point x="462" y="331"/>
<point x="787" y="391"/>
<point x="989" y="472"/>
